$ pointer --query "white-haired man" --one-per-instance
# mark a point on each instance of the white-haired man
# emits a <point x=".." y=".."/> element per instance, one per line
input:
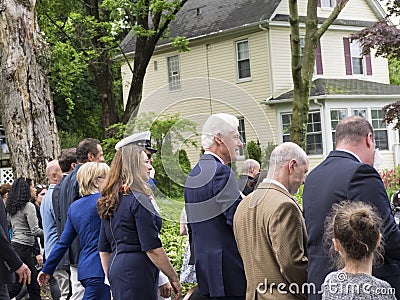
<point x="211" y="198"/>
<point x="270" y="230"/>
<point x="250" y="172"/>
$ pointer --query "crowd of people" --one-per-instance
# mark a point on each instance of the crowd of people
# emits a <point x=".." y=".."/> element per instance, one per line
<point x="93" y="232"/>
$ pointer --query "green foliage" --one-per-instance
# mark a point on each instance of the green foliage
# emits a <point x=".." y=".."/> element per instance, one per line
<point x="173" y="243"/>
<point x="394" y="71"/>
<point x="108" y="144"/>
<point x="180" y="42"/>
<point x="69" y="140"/>
<point x="171" y="165"/>
<point x="267" y="153"/>
<point x="390" y="178"/>
<point x="254" y="150"/>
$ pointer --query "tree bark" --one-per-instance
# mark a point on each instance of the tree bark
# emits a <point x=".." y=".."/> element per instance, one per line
<point x="302" y="70"/>
<point x="25" y="100"/>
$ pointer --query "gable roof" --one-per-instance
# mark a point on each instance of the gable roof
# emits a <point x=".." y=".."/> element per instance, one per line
<point x="214" y="16"/>
<point x="199" y="18"/>
<point x="335" y="87"/>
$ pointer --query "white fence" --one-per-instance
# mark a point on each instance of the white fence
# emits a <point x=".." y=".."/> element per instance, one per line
<point x="6" y="175"/>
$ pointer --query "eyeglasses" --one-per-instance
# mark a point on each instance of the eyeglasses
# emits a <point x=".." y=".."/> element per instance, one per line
<point x="148" y="155"/>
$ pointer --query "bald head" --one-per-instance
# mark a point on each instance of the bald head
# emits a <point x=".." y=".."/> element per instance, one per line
<point x="53" y="172"/>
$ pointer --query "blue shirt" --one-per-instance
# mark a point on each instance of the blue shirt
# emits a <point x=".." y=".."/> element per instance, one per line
<point x="48" y="221"/>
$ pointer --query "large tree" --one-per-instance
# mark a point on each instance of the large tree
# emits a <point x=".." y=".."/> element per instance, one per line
<point x="150" y="20"/>
<point x="82" y="32"/>
<point x="25" y="102"/>
<point x="303" y="65"/>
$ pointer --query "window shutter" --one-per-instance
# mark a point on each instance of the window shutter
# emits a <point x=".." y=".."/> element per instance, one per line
<point x="368" y="63"/>
<point x="319" y="3"/>
<point x="347" y="56"/>
<point x="318" y="59"/>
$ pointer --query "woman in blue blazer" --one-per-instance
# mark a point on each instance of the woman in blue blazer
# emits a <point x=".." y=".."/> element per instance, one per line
<point x="83" y="221"/>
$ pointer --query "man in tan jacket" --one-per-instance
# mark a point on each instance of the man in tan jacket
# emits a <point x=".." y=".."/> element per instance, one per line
<point x="270" y="231"/>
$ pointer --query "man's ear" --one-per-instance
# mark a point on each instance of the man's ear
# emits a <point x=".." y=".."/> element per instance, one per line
<point x="217" y="139"/>
<point x="291" y="165"/>
<point x="370" y="140"/>
<point x="90" y="156"/>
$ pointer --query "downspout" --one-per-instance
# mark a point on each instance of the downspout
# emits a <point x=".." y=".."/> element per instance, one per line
<point x="271" y="74"/>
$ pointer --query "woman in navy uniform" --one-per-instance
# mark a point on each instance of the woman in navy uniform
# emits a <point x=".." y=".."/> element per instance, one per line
<point x="130" y="249"/>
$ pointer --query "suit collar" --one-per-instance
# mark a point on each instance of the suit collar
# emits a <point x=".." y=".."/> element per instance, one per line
<point x="273" y="186"/>
<point x="343" y="154"/>
<point x="209" y="155"/>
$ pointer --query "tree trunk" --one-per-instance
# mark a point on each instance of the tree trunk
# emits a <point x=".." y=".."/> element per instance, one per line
<point x="25" y="101"/>
<point x="303" y="69"/>
<point x="144" y="50"/>
<point x="103" y="78"/>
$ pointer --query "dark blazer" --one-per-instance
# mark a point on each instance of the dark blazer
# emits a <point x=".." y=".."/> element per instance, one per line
<point x="339" y="177"/>
<point x="69" y="192"/>
<point x="9" y="259"/>
<point x="83" y="221"/>
<point x="211" y="198"/>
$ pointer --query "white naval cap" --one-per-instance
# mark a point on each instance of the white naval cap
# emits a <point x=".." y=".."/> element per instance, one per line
<point x="142" y="139"/>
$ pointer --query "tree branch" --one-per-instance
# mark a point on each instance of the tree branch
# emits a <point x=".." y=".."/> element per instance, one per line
<point x="332" y="17"/>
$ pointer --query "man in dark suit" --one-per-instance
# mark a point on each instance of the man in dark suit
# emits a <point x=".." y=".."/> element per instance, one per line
<point x="348" y="173"/>
<point x="211" y="198"/>
<point x="10" y="261"/>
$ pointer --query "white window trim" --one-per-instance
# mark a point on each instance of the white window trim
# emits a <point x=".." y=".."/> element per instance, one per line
<point x="313" y="108"/>
<point x="364" y="65"/>
<point x="179" y="70"/>
<point x="238" y="80"/>
<point x="351" y="106"/>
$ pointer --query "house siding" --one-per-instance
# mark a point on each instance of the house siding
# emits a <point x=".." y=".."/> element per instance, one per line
<point x="348" y="13"/>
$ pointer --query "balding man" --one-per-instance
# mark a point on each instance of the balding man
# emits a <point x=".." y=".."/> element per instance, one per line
<point x="54" y="175"/>
<point x="250" y="172"/>
<point x="348" y="174"/>
<point x="270" y="231"/>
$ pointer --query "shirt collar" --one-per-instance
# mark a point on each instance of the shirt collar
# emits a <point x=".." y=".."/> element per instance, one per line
<point x="276" y="182"/>
<point x="350" y="152"/>
<point x="215" y="155"/>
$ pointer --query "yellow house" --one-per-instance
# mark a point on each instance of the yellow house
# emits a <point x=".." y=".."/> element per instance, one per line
<point x="239" y="63"/>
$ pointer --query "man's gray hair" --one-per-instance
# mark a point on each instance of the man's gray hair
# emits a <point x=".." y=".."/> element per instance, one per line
<point x="217" y="124"/>
<point x="249" y="164"/>
<point x="284" y="153"/>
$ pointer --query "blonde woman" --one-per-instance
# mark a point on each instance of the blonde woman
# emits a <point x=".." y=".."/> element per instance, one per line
<point x="130" y="249"/>
<point x="83" y="221"/>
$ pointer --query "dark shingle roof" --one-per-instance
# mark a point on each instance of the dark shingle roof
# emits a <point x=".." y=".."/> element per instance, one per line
<point x="215" y="16"/>
<point x="357" y="23"/>
<point x="322" y="87"/>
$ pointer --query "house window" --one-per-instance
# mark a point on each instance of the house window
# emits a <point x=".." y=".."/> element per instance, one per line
<point x="380" y="130"/>
<point x="318" y="58"/>
<point x="359" y="112"/>
<point x="173" y="73"/>
<point x="243" y="60"/>
<point x="357" y="61"/>
<point x="314" y="132"/>
<point x="336" y="116"/>
<point x="242" y="132"/>
<point x="377" y="121"/>
<point x="328" y="3"/>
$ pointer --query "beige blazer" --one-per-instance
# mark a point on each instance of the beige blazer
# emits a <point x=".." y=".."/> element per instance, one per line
<point x="271" y="236"/>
